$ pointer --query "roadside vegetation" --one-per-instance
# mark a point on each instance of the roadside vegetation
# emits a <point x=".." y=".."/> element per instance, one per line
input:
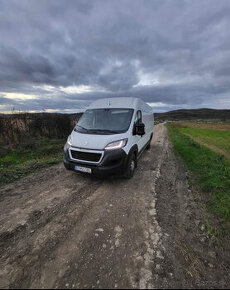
<point x="29" y="142"/>
<point x="30" y="156"/>
<point x="212" y="169"/>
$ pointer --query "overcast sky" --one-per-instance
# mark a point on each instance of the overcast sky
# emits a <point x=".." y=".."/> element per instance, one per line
<point x="62" y="55"/>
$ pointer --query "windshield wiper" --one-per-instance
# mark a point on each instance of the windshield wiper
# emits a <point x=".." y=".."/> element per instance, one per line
<point x="81" y="128"/>
<point x="103" y="131"/>
<point x="96" y="130"/>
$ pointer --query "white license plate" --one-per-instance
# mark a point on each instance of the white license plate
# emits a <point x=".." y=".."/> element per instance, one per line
<point x="83" y="169"/>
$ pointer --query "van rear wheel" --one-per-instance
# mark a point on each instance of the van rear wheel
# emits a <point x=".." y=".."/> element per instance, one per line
<point x="149" y="144"/>
<point x="132" y="164"/>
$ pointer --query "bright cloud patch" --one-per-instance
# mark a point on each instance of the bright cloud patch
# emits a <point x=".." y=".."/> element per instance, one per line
<point x="78" y="89"/>
<point x="18" y="96"/>
<point x="157" y="105"/>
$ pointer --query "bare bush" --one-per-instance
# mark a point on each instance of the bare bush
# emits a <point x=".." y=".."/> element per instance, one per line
<point x="17" y="128"/>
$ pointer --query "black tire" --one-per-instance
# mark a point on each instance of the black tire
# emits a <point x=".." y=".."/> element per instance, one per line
<point x="131" y="165"/>
<point x="66" y="166"/>
<point x="148" y="146"/>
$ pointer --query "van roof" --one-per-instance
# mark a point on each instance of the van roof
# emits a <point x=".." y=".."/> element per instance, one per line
<point x="125" y="102"/>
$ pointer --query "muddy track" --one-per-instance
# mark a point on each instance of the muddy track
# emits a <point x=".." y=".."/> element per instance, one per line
<point x="67" y="230"/>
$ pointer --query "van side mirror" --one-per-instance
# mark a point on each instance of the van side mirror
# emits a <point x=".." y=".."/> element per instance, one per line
<point x="140" y="129"/>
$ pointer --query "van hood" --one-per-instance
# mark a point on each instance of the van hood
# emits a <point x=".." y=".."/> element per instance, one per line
<point x="93" y="141"/>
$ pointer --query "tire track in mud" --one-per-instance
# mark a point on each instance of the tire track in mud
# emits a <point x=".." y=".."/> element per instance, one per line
<point x="36" y="235"/>
<point x="58" y="242"/>
<point x="39" y="218"/>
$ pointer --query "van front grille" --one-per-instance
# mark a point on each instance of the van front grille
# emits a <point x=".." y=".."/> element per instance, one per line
<point x="86" y="156"/>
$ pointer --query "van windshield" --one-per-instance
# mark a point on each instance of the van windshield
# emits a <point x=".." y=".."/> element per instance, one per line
<point x="105" y="121"/>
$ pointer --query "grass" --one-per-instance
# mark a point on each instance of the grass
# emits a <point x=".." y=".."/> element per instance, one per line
<point x="31" y="156"/>
<point x="211" y="230"/>
<point x="211" y="169"/>
<point x="218" y="138"/>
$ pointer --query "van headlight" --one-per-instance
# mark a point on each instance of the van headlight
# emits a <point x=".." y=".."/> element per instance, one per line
<point x="116" y="145"/>
<point x="69" y="140"/>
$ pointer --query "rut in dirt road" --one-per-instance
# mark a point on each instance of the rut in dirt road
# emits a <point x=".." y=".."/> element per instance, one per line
<point x="67" y="230"/>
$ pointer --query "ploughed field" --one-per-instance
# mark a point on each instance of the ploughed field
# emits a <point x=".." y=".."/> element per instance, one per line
<point x="62" y="229"/>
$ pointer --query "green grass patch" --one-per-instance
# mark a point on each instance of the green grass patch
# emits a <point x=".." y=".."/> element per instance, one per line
<point x="218" y="138"/>
<point x="29" y="157"/>
<point x="211" y="230"/>
<point x="211" y="169"/>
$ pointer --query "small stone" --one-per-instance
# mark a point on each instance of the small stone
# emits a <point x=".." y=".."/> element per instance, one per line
<point x="212" y="254"/>
<point x="197" y="222"/>
<point x="158" y="266"/>
<point x="202" y="228"/>
<point x="203" y="240"/>
<point x="100" y="230"/>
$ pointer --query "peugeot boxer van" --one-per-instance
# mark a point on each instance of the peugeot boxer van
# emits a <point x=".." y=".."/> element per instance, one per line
<point x="110" y="137"/>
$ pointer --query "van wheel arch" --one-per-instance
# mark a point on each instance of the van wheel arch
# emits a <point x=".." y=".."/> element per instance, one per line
<point x="134" y="150"/>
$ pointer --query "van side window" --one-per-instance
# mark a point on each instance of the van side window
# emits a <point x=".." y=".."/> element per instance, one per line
<point x="138" y="118"/>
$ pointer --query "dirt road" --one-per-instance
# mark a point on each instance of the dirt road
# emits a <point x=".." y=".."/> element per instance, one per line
<point x="62" y="229"/>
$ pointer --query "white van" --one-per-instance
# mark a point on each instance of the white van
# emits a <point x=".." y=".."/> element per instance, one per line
<point x="109" y="137"/>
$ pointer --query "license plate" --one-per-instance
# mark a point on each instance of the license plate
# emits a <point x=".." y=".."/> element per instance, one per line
<point x="83" y="169"/>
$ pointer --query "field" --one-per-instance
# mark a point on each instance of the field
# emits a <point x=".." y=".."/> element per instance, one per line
<point x="205" y="149"/>
<point x="214" y="136"/>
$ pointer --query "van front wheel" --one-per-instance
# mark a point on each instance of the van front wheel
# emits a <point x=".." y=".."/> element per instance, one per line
<point x="132" y="164"/>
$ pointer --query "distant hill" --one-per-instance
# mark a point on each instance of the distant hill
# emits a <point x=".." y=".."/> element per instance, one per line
<point x="194" y="114"/>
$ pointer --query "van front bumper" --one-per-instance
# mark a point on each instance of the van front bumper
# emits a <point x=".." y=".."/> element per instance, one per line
<point x="113" y="162"/>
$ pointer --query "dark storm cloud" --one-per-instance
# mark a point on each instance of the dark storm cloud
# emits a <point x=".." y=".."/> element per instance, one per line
<point x="170" y="52"/>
